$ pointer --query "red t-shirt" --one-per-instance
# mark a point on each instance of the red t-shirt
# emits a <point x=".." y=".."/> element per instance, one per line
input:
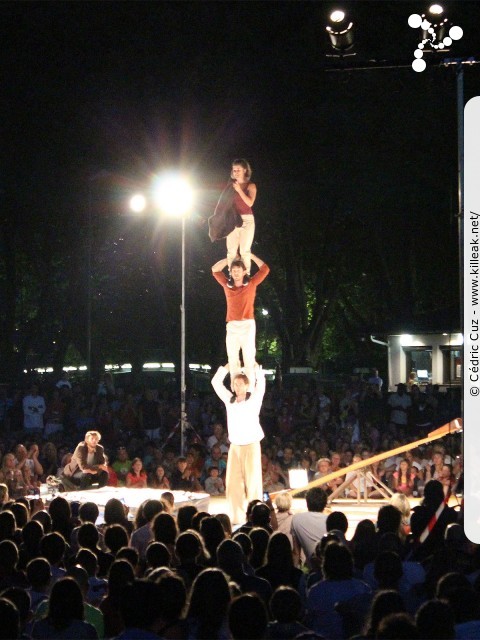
<point x="240" y="300"/>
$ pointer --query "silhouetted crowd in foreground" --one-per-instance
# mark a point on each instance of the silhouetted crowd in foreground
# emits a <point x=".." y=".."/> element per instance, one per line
<point x="173" y="572"/>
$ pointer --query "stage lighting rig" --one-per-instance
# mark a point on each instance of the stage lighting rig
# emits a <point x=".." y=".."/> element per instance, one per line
<point x="340" y="31"/>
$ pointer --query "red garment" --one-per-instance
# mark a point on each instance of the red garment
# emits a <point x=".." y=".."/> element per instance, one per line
<point x="242" y="208"/>
<point x="240" y="300"/>
<point x="112" y="478"/>
<point x="135" y="480"/>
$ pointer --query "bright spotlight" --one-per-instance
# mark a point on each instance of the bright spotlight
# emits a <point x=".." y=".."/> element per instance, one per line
<point x="436" y="10"/>
<point x="173" y="194"/>
<point x="138" y="203"/>
<point x="340" y="31"/>
<point x="337" y="16"/>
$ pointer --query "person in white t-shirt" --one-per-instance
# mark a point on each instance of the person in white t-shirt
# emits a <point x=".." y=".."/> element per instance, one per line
<point x="244" y="466"/>
<point x="33" y="409"/>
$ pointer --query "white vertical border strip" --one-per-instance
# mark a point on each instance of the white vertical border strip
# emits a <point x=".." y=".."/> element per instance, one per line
<point x="471" y="328"/>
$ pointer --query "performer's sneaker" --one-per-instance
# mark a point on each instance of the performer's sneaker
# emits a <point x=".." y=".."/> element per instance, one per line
<point x="230" y="283"/>
<point x="246" y="279"/>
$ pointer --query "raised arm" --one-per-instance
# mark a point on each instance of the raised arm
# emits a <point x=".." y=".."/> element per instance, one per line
<point x="259" y="390"/>
<point x="220" y="265"/>
<point x="257" y="260"/>
<point x="217" y="383"/>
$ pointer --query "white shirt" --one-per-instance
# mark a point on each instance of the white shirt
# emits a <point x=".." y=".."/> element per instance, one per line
<point x="33" y="410"/>
<point x="243" y="422"/>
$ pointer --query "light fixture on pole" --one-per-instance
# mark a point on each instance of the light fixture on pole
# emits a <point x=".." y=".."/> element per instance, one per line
<point x="174" y="196"/>
<point x="340" y="32"/>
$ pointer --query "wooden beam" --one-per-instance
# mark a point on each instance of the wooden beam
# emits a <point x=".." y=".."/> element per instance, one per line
<point x="447" y="429"/>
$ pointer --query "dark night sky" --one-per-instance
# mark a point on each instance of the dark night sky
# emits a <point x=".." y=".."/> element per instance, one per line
<point x="132" y="86"/>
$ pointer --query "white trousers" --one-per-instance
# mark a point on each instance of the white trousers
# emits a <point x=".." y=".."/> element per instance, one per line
<point x="243" y="479"/>
<point x="239" y="241"/>
<point x="241" y="336"/>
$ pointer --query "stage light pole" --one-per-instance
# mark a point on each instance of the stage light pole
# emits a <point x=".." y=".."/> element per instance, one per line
<point x="174" y="196"/>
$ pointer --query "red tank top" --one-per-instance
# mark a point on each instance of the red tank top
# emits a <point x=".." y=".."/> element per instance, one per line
<point x="242" y="208"/>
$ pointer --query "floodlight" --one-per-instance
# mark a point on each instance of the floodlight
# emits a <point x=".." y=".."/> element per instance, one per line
<point x="435" y="10"/>
<point x="173" y="194"/>
<point x="340" y="31"/>
<point x="337" y="16"/>
<point x="138" y="203"/>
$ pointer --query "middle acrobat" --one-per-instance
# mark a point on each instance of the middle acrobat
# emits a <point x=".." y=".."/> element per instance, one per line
<point x="240" y="313"/>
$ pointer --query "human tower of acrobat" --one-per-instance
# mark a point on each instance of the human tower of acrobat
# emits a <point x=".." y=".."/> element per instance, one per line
<point x="234" y="220"/>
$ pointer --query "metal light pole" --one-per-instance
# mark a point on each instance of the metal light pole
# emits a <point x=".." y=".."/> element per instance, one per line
<point x="89" y="285"/>
<point x="183" y="415"/>
<point x="174" y="196"/>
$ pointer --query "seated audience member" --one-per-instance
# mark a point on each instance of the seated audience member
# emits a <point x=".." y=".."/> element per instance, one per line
<point x="140" y="609"/>
<point x="215" y="460"/>
<point x="308" y="528"/>
<point x="10" y="576"/>
<point x="97" y="587"/>
<point x="65" y="614"/>
<point x="397" y="625"/>
<point x="338" y="585"/>
<point x="53" y="548"/>
<point x="141" y="537"/>
<point x="119" y="576"/>
<point x="403" y="478"/>
<point x="287" y="612"/>
<point x="247" y="617"/>
<point x="88" y="512"/>
<point x="89" y="538"/>
<point x="112" y="476"/>
<point x="116" y="512"/>
<point x="137" y="476"/>
<point x="278" y="567"/>
<point x="383" y="604"/>
<point x="206" y="616"/>
<point x="435" y="620"/>
<point x="337" y="522"/>
<point x="214" y="483"/>
<point x="21" y="600"/>
<point x="283" y="502"/>
<point x="158" y="478"/>
<point x="191" y="553"/>
<point x="429" y="521"/>
<point x="157" y="556"/>
<point x="182" y="478"/>
<point x="171" y="604"/>
<point x="122" y="465"/>
<point x="10" y="617"/>
<point x="39" y="576"/>
<point x="231" y="559"/>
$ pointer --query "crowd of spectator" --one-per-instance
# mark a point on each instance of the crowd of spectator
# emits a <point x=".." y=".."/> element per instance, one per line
<point x="180" y="573"/>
